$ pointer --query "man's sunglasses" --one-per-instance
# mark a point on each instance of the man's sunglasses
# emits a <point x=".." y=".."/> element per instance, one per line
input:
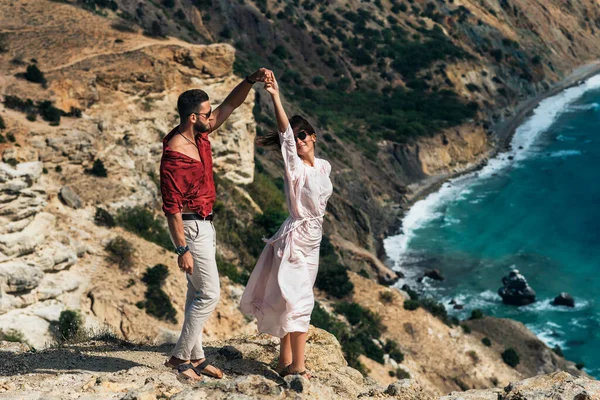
<point x="302" y="135"/>
<point x="205" y="115"/>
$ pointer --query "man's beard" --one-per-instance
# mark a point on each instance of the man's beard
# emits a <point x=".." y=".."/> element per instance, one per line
<point x="201" y="127"/>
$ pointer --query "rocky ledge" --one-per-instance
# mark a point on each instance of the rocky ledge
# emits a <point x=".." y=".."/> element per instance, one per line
<point x="114" y="369"/>
<point x="119" y="370"/>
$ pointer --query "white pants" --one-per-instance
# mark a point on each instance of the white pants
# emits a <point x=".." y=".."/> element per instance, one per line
<point x="203" y="288"/>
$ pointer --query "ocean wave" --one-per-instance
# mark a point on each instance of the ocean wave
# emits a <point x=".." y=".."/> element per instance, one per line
<point x="563" y="138"/>
<point x="565" y="153"/>
<point x="428" y="209"/>
<point x="549" y="333"/>
<point x="546" y="305"/>
<point x="584" y="107"/>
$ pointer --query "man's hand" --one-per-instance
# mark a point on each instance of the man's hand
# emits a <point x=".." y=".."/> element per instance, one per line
<point x="262" y="75"/>
<point x="186" y="263"/>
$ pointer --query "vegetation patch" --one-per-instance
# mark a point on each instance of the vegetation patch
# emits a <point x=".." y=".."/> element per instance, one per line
<point x="157" y="303"/>
<point x="120" y="252"/>
<point x="144" y="223"/>
<point x="70" y="323"/>
<point x="511" y="357"/>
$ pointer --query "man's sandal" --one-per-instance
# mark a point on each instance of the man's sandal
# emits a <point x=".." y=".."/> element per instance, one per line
<point x="183" y="378"/>
<point x="200" y="369"/>
<point x="286" y="371"/>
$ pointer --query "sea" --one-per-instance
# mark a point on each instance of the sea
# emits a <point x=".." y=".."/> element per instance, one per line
<point x="535" y="208"/>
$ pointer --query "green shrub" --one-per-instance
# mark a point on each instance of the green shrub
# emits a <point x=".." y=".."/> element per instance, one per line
<point x="318" y="80"/>
<point x="168" y="3"/>
<point x="98" y="169"/>
<point x="511" y="357"/>
<point x="33" y="74"/>
<point x="363" y="319"/>
<point x="144" y="223"/>
<point x="476" y="314"/>
<point x="92" y="4"/>
<point x="334" y="280"/>
<point x="158" y="304"/>
<point x="411" y="304"/>
<point x="103" y="218"/>
<point x="466" y="328"/>
<point x="58" y="169"/>
<point x="363" y="272"/>
<point x="12" y="162"/>
<point x="70" y="324"/>
<point x="486" y="341"/>
<point x="232" y="272"/>
<point x="436" y="309"/>
<point x="2" y="124"/>
<point x="402" y="374"/>
<point x="558" y="351"/>
<point x="386" y="297"/>
<point x="391" y="348"/>
<point x="411" y="293"/>
<point x="11" y="137"/>
<point x="580" y="366"/>
<point x="156" y="275"/>
<point x="49" y="112"/>
<point x="120" y="252"/>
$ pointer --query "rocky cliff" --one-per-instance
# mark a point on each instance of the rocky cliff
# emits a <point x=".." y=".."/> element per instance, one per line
<point x="120" y="370"/>
<point x="118" y="89"/>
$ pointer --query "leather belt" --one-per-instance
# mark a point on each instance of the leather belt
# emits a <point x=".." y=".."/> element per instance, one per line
<point x="197" y="217"/>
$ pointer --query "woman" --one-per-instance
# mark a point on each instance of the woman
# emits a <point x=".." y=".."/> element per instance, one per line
<point x="279" y="292"/>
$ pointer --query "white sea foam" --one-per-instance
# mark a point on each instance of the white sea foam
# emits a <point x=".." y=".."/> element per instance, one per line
<point x="585" y="107"/>
<point x="564" y="138"/>
<point x="565" y="153"/>
<point x="428" y="209"/>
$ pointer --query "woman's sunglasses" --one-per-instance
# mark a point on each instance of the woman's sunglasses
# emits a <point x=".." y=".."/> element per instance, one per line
<point x="302" y="135"/>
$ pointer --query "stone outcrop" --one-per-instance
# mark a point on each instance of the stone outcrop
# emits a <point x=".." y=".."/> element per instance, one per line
<point x="118" y="371"/>
<point x="564" y="299"/>
<point x="516" y="291"/>
<point x="559" y="385"/>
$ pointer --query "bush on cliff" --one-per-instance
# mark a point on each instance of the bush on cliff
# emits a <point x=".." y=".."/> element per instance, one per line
<point x="33" y="74"/>
<point x="70" y="324"/>
<point x="511" y="357"/>
<point x="98" y="169"/>
<point x="120" y="252"/>
<point x="103" y="218"/>
<point x="157" y="302"/>
<point x="391" y="347"/>
<point x="332" y="277"/>
<point x="476" y="314"/>
<point x="411" y="305"/>
<point x="144" y="223"/>
<point x="486" y="342"/>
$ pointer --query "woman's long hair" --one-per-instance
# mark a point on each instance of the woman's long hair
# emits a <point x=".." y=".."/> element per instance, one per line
<point x="270" y="140"/>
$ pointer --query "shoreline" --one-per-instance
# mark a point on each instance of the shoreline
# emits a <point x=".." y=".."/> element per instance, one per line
<point x="504" y="132"/>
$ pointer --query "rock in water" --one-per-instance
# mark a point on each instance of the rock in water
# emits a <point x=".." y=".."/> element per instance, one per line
<point x="564" y="299"/>
<point x="434" y="274"/>
<point x="70" y="198"/>
<point x="516" y="290"/>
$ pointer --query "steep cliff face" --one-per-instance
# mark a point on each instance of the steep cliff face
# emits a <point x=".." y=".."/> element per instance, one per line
<point x="52" y="254"/>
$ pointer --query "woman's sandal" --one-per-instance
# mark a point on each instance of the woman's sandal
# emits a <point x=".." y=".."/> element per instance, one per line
<point x="286" y="371"/>
<point x="280" y="369"/>
<point x="200" y="369"/>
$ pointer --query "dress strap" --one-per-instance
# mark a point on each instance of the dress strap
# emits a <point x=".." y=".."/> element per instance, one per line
<point x="296" y="223"/>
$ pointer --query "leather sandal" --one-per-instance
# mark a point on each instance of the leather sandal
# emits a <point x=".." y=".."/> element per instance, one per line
<point x="286" y="371"/>
<point x="183" y="378"/>
<point x="200" y="369"/>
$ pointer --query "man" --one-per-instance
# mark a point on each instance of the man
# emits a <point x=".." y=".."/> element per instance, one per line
<point x="188" y="193"/>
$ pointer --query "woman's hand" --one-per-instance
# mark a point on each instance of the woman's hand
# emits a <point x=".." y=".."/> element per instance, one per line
<point x="271" y="85"/>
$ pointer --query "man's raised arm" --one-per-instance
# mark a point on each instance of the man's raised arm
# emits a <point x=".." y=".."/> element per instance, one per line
<point x="237" y="97"/>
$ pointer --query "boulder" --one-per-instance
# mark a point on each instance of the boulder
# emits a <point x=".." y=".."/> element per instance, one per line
<point x="70" y="198"/>
<point x="17" y="276"/>
<point x="516" y="291"/>
<point x="434" y="274"/>
<point x="564" y="299"/>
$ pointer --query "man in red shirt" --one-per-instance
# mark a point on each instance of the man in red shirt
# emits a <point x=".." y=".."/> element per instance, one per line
<point x="188" y="193"/>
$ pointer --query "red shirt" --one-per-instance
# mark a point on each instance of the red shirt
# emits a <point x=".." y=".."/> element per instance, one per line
<point x="186" y="181"/>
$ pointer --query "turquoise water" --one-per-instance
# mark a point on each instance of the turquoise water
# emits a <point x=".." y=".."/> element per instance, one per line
<point x="538" y="212"/>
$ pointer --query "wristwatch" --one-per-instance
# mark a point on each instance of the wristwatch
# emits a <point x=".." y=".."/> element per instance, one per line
<point x="250" y="81"/>
<point x="181" y="250"/>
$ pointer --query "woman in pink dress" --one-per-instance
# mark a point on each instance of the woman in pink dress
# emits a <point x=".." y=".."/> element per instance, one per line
<point x="280" y="290"/>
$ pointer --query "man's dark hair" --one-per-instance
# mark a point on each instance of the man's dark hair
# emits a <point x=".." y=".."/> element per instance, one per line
<point x="189" y="102"/>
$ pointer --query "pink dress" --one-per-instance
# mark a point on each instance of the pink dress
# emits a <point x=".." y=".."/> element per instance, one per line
<point x="280" y="289"/>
